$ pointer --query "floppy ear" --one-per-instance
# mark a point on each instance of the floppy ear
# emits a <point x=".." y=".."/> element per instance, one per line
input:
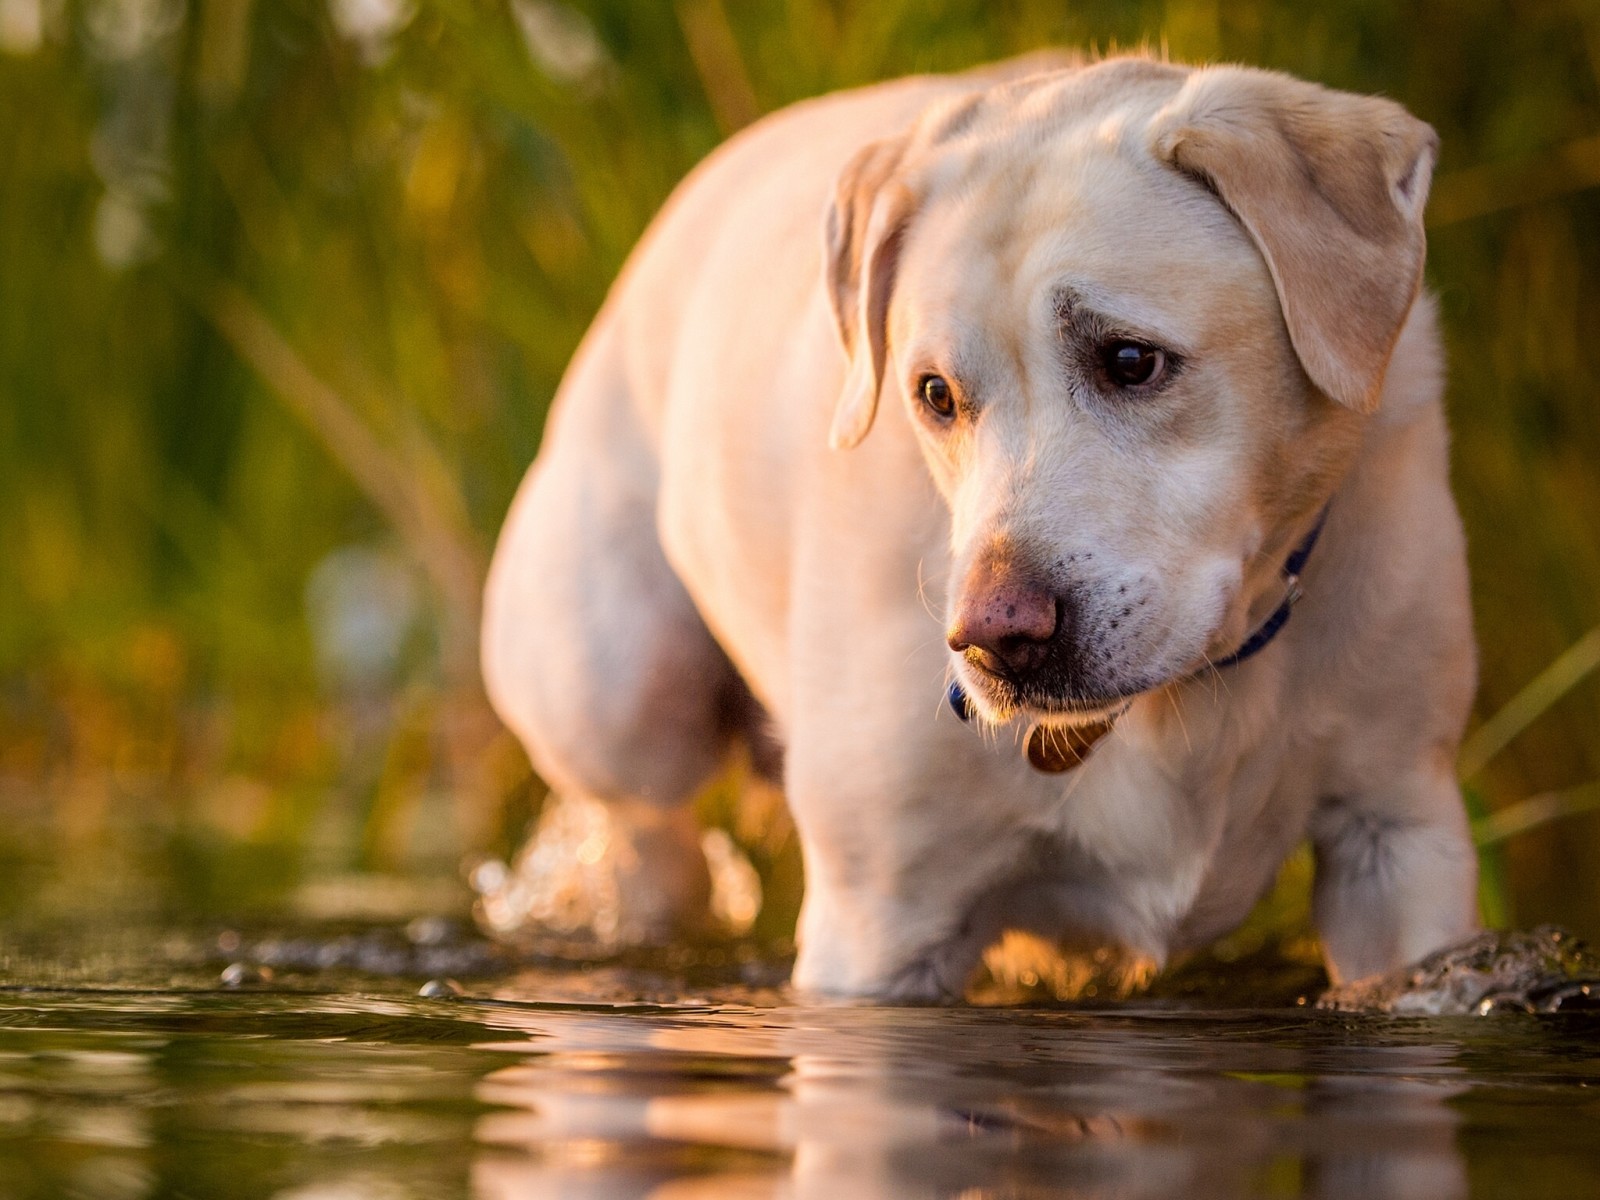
<point x="1331" y="187"/>
<point x="862" y="236"/>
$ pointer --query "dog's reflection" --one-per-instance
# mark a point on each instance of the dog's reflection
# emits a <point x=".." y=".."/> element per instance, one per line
<point x="843" y="1103"/>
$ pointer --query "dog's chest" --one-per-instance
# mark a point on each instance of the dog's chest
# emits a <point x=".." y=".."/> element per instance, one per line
<point x="1158" y="846"/>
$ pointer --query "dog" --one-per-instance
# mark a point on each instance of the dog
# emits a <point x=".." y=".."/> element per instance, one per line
<point x="973" y="436"/>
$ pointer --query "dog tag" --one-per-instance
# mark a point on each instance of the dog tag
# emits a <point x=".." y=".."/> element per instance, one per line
<point x="1054" y="749"/>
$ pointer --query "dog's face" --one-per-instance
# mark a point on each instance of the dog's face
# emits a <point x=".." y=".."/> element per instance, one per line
<point x="1136" y="325"/>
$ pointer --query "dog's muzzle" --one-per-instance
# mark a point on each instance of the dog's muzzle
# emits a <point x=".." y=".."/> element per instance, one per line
<point x="1057" y="748"/>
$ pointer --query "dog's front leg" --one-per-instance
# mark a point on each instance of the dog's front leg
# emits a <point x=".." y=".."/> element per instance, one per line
<point x="1396" y="874"/>
<point x="906" y="861"/>
<point x="852" y="946"/>
<point x="857" y="942"/>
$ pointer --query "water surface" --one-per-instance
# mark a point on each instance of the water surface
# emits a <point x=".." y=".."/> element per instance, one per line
<point x="565" y="1080"/>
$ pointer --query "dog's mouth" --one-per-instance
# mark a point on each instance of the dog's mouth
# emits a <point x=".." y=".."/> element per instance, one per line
<point x="1067" y="713"/>
<point x="1061" y="729"/>
<point x="1006" y="700"/>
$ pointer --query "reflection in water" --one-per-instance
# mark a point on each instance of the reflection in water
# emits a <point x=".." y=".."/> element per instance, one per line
<point x="850" y="1102"/>
<point x="143" y="1094"/>
<point x="127" y="1096"/>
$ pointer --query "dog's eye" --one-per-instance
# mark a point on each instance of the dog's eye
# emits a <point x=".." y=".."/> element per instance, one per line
<point x="936" y="394"/>
<point x="1132" y="364"/>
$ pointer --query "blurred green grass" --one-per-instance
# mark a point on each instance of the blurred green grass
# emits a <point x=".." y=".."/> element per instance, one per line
<point x="285" y="288"/>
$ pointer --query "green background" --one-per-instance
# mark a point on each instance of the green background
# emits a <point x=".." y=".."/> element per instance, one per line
<point x="285" y="289"/>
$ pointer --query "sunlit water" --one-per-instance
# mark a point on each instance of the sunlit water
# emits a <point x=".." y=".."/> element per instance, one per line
<point x="708" y="1079"/>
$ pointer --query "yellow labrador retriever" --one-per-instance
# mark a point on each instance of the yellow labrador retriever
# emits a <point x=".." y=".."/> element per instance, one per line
<point x="1043" y="393"/>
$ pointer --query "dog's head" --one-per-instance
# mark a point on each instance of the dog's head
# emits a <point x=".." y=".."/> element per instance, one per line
<point x="1137" y="314"/>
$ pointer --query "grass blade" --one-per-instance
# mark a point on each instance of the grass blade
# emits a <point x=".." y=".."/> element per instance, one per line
<point x="1523" y="709"/>
<point x="1535" y="811"/>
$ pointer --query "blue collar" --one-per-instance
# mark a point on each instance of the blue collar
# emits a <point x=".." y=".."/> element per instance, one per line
<point x="1270" y="628"/>
<point x="1253" y="645"/>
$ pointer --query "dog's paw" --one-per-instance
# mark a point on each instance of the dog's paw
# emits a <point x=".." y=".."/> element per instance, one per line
<point x="1539" y="970"/>
<point x="614" y="876"/>
<point x="845" y="970"/>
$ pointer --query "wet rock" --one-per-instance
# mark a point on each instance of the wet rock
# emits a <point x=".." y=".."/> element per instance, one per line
<point x="1540" y="970"/>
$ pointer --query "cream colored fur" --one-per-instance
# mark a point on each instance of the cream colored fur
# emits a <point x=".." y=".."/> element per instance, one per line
<point x="740" y="492"/>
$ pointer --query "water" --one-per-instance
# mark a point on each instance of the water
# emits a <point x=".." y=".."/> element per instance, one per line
<point x="132" y="1072"/>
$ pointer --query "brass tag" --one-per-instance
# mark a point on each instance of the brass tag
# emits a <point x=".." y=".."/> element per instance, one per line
<point x="1058" y="748"/>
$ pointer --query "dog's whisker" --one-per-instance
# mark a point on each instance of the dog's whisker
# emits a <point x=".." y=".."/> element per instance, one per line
<point x="920" y="648"/>
<point x="1218" y="678"/>
<point x="1177" y="712"/>
<point x="922" y="594"/>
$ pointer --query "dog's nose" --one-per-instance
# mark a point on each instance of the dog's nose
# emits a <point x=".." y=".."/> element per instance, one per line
<point x="1007" y="629"/>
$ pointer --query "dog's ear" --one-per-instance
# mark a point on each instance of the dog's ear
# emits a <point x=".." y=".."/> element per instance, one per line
<point x="863" y="233"/>
<point x="1331" y="187"/>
